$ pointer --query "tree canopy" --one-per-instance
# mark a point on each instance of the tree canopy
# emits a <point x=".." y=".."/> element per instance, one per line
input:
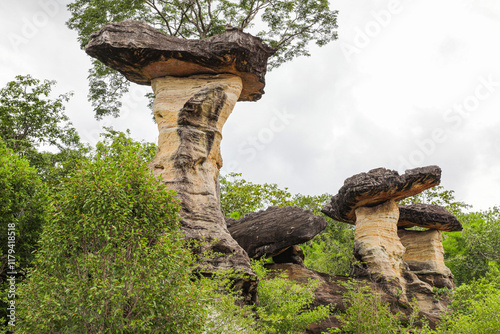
<point x="31" y="121"/>
<point x="288" y="25"/>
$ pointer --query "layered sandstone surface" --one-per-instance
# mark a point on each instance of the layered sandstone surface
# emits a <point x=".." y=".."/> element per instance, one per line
<point x="190" y="113"/>
<point x="378" y="248"/>
<point x="378" y="186"/>
<point x="425" y="257"/>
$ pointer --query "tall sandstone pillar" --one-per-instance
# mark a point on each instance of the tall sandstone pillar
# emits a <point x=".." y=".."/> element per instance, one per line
<point x="196" y="85"/>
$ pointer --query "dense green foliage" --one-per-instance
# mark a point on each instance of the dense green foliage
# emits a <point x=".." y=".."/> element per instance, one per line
<point x="285" y="24"/>
<point x="111" y="256"/>
<point x="476" y="307"/>
<point x="366" y="313"/>
<point x="23" y="211"/>
<point x="239" y="197"/>
<point x="31" y="121"/>
<point x="23" y="207"/>
<point x="475" y="251"/>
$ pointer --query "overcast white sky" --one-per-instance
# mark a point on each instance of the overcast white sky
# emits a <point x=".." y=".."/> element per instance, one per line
<point x="407" y="84"/>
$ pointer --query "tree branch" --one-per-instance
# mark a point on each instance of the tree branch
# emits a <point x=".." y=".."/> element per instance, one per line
<point x="200" y="19"/>
<point x="152" y="4"/>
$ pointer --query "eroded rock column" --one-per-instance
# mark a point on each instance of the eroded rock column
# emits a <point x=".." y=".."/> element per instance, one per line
<point x="190" y="113"/>
<point x="425" y="257"/>
<point x="377" y="245"/>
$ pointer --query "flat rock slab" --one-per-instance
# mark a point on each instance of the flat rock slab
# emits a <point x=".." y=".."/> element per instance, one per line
<point x="271" y="231"/>
<point x="142" y="53"/>
<point x="377" y="186"/>
<point x="428" y="216"/>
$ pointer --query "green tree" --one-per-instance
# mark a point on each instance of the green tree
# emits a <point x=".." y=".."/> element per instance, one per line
<point x="111" y="256"/>
<point x="30" y="121"/>
<point x="366" y="312"/>
<point x="331" y="251"/>
<point x="285" y="24"/>
<point x="474" y="252"/>
<point x="239" y="197"/>
<point x="23" y="207"/>
<point x="23" y="211"/>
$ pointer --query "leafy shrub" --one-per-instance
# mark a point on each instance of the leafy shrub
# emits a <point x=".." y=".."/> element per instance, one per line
<point x="475" y="307"/>
<point x="284" y="304"/>
<point x="23" y="211"/>
<point x="111" y="258"/>
<point x="366" y="313"/>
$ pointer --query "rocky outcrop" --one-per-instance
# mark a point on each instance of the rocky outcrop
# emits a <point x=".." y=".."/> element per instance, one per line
<point x="428" y="216"/>
<point x="142" y="53"/>
<point x="378" y="186"/>
<point x="270" y="232"/>
<point x="196" y="85"/>
<point x="425" y="257"/>
<point x="331" y="293"/>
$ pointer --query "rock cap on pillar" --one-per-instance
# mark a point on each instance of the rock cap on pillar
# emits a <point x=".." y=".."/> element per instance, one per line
<point x="428" y="216"/>
<point x="142" y="53"/>
<point x="377" y="186"/>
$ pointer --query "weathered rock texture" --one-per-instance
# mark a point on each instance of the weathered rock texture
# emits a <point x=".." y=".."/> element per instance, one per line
<point x="270" y="232"/>
<point x="425" y="257"/>
<point x="377" y="247"/>
<point x="190" y="113"/>
<point x="428" y="216"/>
<point x="378" y="186"/>
<point x="196" y="85"/>
<point x="142" y="53"/>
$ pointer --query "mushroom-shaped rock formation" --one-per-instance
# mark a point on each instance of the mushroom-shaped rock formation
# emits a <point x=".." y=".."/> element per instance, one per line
<point x="196" y="85"/>
<point x="273" y="231"/>
<point x="142" y="53"/>
<point x="428" y="216"/>
<point x="368" y="200"/>
<point x="424" y="250"/>
<point x="378" y="186"/>
<point x="425" y="257"/>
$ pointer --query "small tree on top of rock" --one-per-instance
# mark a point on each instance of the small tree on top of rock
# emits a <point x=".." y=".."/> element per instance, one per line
<point x="287" y="25"/>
